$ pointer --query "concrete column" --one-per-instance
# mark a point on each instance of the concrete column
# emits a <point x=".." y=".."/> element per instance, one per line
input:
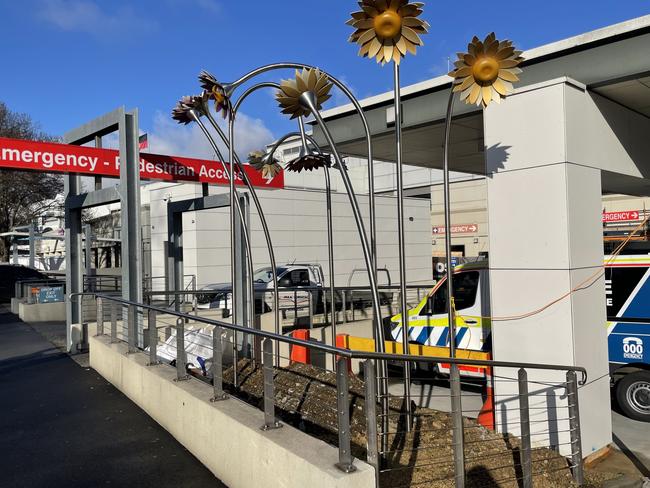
<point x="73" y="267"/>
<point x="545" y="240"/>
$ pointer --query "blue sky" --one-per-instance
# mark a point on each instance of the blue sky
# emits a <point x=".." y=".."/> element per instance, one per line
<point x="67" y="61"/>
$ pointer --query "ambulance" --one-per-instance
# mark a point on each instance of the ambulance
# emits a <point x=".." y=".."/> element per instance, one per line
<point x="627" y="295"/>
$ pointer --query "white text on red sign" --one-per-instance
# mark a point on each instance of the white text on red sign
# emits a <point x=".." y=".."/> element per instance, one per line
<point x="457" y="229"/>
<point x="620" y="216"/>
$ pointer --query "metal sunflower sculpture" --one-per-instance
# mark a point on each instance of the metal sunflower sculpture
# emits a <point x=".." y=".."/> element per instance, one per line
<point x="486" y="72"/>
<point x="181" y="112"/>
<point x="387" y="29"/>
<point x="308" y="80"/>
<point x="216" y="91"/>
<point x="269" y="167"/>
<point x="308" y="162"/>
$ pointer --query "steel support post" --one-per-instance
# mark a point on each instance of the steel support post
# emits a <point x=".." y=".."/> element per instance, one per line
<point x="458" y="434"/>
<point x="114" y="306"/>
<point x="343" y="414"/>
<point x="100" y="316"/>
<point x="270" y="422"/>
<point x="73" y="270"/>
<point x="524" y="423"/>
<point x="153" y="338"/>
<point x="370" y="381"/>
<point x="132" y="332"/>
<point x="574" y="427"/>
<point x="217" y="365"/>
<point x="130" y="212"/>
<point x="88" y="261"/>
<point x="181" y="369"/>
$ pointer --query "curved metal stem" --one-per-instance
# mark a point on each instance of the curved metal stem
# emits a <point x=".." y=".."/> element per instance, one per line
<point x="445" y="187"/>
<point x="380" y="345"/>
<point x="366" y="128"/>
<point x="247" y="239"/>
<point x="401" y="243"/>
<point x="265" y="227"/>
<point x="454" y="373"/>
<point x="252" y="89"/>
<point x="330" y="237"/>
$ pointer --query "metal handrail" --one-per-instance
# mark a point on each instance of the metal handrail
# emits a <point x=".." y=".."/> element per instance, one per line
<point x="290" y="288"/>
<point x="345" y="352"/>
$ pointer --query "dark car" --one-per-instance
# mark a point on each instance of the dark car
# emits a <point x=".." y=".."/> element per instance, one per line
<point x="10" y="273"/>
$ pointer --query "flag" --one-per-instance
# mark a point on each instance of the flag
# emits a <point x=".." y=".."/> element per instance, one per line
<point x="144" y="142"/>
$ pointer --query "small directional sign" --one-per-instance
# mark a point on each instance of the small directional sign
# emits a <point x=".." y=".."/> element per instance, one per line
<point x="622" y="216"/>
<point x="457" y="229"/>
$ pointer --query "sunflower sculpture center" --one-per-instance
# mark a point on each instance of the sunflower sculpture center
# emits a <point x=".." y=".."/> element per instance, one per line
<point x="388" y="24"/>
<point x="486" y="69"/>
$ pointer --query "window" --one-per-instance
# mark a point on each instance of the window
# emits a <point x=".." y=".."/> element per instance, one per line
<point x="465" y="287"/>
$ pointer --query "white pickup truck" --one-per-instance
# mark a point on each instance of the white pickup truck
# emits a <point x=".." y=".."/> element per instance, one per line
<point x="292" y="277"/>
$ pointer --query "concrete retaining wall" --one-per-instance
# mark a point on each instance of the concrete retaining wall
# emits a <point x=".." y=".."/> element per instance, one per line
<point x="41" y="312"/>
<point x="224" y="436"/>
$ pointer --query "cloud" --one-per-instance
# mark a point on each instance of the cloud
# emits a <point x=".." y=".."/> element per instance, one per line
<point x="167" y="137"/>
<point x="87" y="17"/>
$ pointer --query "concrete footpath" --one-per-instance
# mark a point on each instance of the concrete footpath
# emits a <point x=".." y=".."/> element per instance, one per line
<point x="62" y="425"/>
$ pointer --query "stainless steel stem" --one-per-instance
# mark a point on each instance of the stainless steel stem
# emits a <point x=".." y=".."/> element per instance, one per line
<point x="401" y="244"/>
<point x="309" y="101"/>
<point x="233" y="261"/>
<point x="265" y="228"/>
<point x="456" y="401"/>
<point x="330" y="237"/>
<point x="450" y="271"/>
<point x="366" y="128"/>
<point x="247" y="239"/>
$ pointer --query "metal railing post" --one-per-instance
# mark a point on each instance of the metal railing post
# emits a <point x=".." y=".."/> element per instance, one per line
<point x="217" y="365"/>
<point x="132" y="315"/>
<point x="100" y="316"/>
<point x="352" y="304"/>
<point x="343" y="414"/>
<point x="270" y="421"/>
<point x="311" y="310"/>
<point x="344" y="308"/>
<point x="457" y="422"/>
<point x="524" y="423"/>
<point x="114" y="306"/>
<point x="574" y="427"/>
<point x="181" y="372"/>
<point x="370" y="379"/>
<point x="153" y="338"/>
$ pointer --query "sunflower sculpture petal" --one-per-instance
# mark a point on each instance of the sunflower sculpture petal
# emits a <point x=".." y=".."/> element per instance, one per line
<point x="308" y="80"/>
<point x="486" y="72"/>
<point x="308" y="162"/>
<point x="269" y="167"/>
<point x="216" y="91"/>
<point x="387" y="29"/>
<point x="181" y="112"/>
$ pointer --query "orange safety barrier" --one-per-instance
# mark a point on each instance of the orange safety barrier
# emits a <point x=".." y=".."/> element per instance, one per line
<point x="343" y="342"/>
<point x="300" y="354"/>
<point x="486" y="415"/>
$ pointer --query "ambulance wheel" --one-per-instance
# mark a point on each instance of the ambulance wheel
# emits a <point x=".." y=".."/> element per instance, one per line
<point x="633" y="395"/>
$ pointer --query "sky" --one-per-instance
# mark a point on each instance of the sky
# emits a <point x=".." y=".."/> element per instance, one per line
<point x="65" y="62"/>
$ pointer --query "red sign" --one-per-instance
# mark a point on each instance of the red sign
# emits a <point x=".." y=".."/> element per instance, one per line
<point x="457" y="229"/>
<point x="623" y="216"/>
<point x="51" y="157"/>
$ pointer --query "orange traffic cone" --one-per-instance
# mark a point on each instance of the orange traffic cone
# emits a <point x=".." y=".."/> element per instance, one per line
<point x="486" y="415"/>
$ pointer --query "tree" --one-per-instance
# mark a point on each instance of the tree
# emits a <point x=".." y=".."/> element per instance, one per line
<point x="24" y="195"/>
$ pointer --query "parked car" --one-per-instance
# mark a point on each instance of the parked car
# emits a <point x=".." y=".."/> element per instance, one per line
<point x="293" y="276"/>
<point x="10" y="274"/>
